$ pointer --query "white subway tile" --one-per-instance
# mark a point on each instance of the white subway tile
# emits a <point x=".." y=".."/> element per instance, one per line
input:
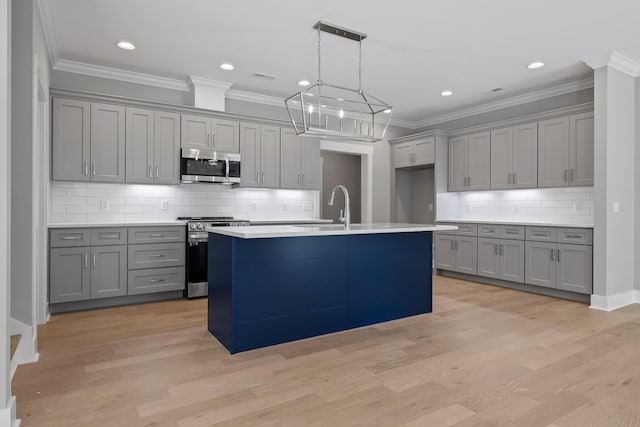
<point x="91" y="192"/>
<point x="60" y="200"/>
<point x="58" y="191"/>
<point x="58" y="209"/>
<point x="110" y="217"/>
<point x="65" y="218"/>
<point x="574" y="196"/>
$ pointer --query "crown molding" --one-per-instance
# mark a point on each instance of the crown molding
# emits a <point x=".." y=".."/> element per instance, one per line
<point x="624" y="64"/>
<point x="195" y="81"/>
<point x="508" y="102"/>
<point x="48" y="28"/>
<point x="119" y="74"/>
<point x="256" y="98"/>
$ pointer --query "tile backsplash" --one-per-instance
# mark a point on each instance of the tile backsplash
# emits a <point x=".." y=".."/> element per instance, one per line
<point x="71" y="202"/>
<point x="572" y="205"/>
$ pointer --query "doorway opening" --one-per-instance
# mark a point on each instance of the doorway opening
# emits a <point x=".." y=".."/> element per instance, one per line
<point x="344" y="169"/>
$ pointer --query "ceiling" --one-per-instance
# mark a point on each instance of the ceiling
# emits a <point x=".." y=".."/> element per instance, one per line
<point x="415" y="49"/>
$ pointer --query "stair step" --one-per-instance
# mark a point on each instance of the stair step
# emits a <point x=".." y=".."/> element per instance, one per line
<point x="15" y="340"/>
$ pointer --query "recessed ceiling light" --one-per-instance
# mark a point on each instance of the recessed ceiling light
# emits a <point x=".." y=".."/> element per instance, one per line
<point x="304" y="83"/>
<point x="227" y="67"/>
<point x="387" y="111"/>
<point x="535" y="65"/>
<point x="126" y="45"/>
<point x="446" y="93"/>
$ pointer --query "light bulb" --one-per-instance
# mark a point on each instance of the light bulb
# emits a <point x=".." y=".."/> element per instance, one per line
<point x="341" y="113"/>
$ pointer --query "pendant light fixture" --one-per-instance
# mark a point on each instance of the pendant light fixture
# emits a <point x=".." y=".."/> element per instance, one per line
<point x="340" y="113"/>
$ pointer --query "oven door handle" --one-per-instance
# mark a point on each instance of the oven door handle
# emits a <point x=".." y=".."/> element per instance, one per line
<point x="197" y="242"/>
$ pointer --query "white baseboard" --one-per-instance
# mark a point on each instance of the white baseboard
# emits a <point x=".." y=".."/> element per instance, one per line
<point x="615" y="301"/>
<point x="8" y="414"/>
<point x="27" y="351"/>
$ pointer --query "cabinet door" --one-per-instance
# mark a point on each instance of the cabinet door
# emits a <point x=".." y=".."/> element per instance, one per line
<point x="310" y="164"/>
<point x="553" y="152"/>
<point x="269" y="157"/>
<point x="467" y="255"/>
<point x="107" y="143"/>
<point x="575" y="268"/>
<point x="424" y="151"/>
<point x="489" y="257"/>
<point x="512" y="260"/>
<point x="501" y="158"/>
<point x="402" y="155"/>
<point x="108" y="271"/>
<point x="226" y="135"/>
<point x="139" y="145"/>
<point x="479" y="161"/>
<point x="69" y="278"/>
<point x="458" y="163"/>
<point x="445" y="252"/>
<point x="581" y="149"/>
<point x="290" y="160"/>
<point x="250" y="155"/>
<point x="195" y="132"/>
<point x="166" y="153"/>
<point x="525" y="156"/>
<point x="540" y="264"/>
<point x="71" y="140"/>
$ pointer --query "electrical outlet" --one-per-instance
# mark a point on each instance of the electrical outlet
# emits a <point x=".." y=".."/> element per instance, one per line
<point x="104" y="205"/>
<point x="284" y="206"/>
<point x="307" y="206"/>
<point x="468" y="207"/>
<point x="577" y="207"/>
<point x="430" y="207"/>
<point x="164" y="205"/>
<point x="616" y="207"/>
<point x="516" y="207"/>
<point x="254" y="207"/>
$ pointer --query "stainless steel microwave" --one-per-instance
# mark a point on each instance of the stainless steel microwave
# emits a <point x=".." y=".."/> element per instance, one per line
<point x="210" y="166"/>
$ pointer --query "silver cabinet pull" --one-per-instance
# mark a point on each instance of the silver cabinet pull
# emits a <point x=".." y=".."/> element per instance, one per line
<point x="496" y="250"/>
<point x="302" y="179"/>
<point x="156" y="280"/>
<point x="540" y="234"/>
<point x="156" y="256"/>
<point x="93" y="168"/>
<point x="573" y="236"/>
<point x="157" y="235"/>
<point x="86" y="261"/>
<point x="257" y="176"/>
<point x="565" y="175"/>
<point x="150" y="175"/>
<point x="213" y="140"/>
<point x="510" y="232"/>
<point x="571" y="175"/>
<point x="93" y="260"/>
<point x="486" y="230"/>
<point x="558" y="254"/>
<point x="298" y="179"/>
<point x="208" y="139"/>
<point x="456" y="245"/>
<point x="501" y="249"/>
<point x="70" y="237"/>
<point x="509" y="178"/>
<point x="263" y="177"/>
<point x="515" y="178"/>
<point x="109" y="236"/>
<point x="469" y="181"/>
<point x="85" y="168"/>
<point x="157" y="172"/>
<point x="453" y="248"/>
<point x="552" y="255"/>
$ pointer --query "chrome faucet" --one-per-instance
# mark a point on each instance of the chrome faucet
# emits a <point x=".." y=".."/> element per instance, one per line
<point x="345" y="216"/>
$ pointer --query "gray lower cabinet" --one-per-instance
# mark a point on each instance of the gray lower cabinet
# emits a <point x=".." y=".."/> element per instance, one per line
<point x="489" y="257"/>
<point x="457" y="253"/>
<point x="299" y="161"/>
<point x="575" y="268"/>
<point x="541" y="264"/>
<point x="69" y="274"/>
<point x="445" y="251"/>
<point x="156" y="280"/>
<point x="156" y="256"/>
<point x="108" y="271"/>
<point x="501" y="259"/>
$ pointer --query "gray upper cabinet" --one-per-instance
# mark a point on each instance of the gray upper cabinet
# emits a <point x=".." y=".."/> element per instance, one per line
<point x="299" y="161"/>
<point x="153" y="147"/>
<point x="225" y="135"/>
<point x="139" y="142"/>
<point x="575" y="268"/>
<point x="514" y="157"/>
<point x="553" y="152"/>
<point x="470" y="162"/>
<point x="414" y="153"/>
<point x="260" y="152"/>
<point x="166" y="148"/>
<point x="71" y="140"/>
<point x="195" y="132"/>
<point x="205" y="133"/>
<point x="69" y="274"/>
<point x="108" y="271"/>
<point x="107" y="143"/>
<point x="581" y="149"/>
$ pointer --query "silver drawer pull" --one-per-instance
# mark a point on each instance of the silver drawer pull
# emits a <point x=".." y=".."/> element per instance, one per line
<point x="541" y="234"/>
<point x="487" y="230"/>
<point x="157" y="235"/>
<point x="109" y="236"/>
<point x="156" y="256"/>
<point x="574" y="236"/>
<point x="510" y="232"/>
<point x="70" y="237"/>
<point x="156" y="280"/>
<point x="465" y="229"/>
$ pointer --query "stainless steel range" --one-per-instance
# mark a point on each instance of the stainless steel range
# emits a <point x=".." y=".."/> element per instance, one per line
<point x="197" y="249"/>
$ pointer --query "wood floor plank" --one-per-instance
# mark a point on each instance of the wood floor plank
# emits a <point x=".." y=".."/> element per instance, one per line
<point x="485" y="356"/>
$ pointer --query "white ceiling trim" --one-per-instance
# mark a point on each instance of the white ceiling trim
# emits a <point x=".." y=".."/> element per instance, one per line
<point x="46" y="17"/>
<point x="119" y="74"/>
<point x="506" y="103"/>
<point x="624" y="64"/>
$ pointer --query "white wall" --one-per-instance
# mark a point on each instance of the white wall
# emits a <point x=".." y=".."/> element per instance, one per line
<point x="87" y="202"/>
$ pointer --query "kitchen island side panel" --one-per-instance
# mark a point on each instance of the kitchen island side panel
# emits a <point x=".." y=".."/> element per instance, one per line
<point x="220" y="301"/>
<point x="390" y="277"/>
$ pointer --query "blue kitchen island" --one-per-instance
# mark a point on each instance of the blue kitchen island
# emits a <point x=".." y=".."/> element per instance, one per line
<point x="274" y="284"/>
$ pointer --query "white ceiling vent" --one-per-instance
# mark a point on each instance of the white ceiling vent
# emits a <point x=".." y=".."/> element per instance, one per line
<point x="209" y="94"/>
<point x="264" y="76"/>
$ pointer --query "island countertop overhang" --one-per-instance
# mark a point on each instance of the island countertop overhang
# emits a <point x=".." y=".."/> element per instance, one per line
<point x="266" y="232"/>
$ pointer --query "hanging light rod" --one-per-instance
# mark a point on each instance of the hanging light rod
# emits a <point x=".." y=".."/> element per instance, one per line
<point x="339" y="31"/>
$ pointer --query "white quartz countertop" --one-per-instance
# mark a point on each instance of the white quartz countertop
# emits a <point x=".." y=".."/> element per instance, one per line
<point x="269" y="231"/>
<point x="289" y="221"/>
<point x="116" y="224"/>
<point x="510" y="222"/>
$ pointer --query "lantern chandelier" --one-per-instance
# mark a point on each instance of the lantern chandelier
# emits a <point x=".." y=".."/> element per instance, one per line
<point x="340" y="113"/>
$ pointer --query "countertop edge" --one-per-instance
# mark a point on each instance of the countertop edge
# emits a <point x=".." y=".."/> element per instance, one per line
<point x="507" y="222"/>
<point x="117" y="224"/>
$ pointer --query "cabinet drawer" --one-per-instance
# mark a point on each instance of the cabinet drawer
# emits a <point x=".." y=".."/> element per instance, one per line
<point x="541" y="234"/>
<point x="580" y="236"/>
<point x="467" y="230"/>
<point x="488" y="230"/>
<point x="108" y="236"/>
<point x="157" y="234"/>
<point x="514" y="232"/>
<point x="69" y="237"/>
<point x="155" y="280"/>
<point x="447" y="232"/>
<point x="155" y="256"/>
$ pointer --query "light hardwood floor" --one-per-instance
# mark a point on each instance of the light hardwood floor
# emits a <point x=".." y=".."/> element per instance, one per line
<point x="486" y="356"/>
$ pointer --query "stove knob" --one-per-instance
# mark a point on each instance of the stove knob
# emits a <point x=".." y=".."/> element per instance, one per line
<point x="192" y="226"/>
<point x="200" y="226"/>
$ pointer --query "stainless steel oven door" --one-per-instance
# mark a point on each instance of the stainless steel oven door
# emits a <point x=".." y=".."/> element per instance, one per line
<point x="197" y="285"/>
